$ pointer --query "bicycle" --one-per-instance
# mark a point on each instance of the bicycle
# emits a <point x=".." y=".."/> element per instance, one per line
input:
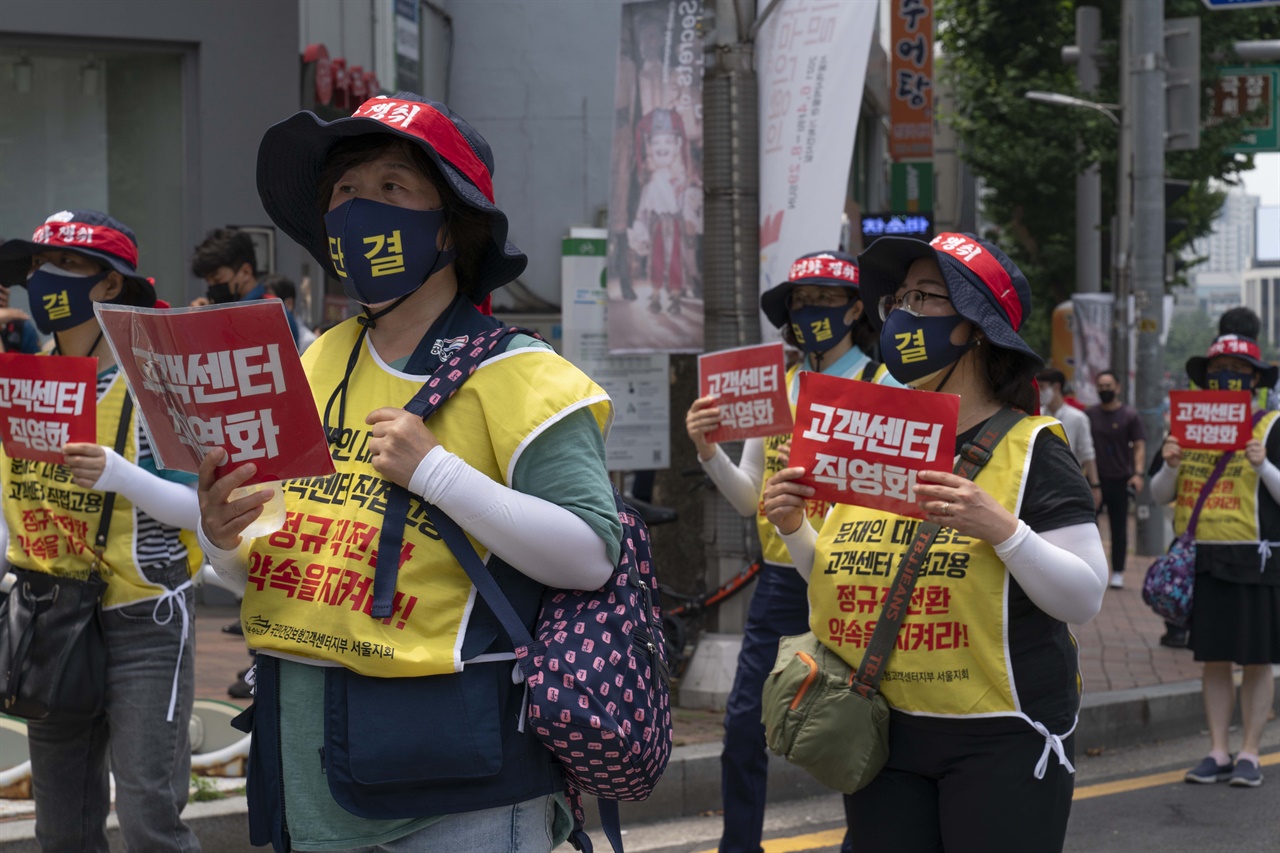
<point x="680" y="623"/>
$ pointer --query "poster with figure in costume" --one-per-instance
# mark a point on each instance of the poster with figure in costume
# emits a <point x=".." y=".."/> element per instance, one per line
<point x="655" y="198"/>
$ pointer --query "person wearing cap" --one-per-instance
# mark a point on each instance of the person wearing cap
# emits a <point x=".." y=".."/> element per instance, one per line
<point x="397" y="202"/>
<point x="819" y="311"/>
<point x="75" y="259"/>
<point x="1235" y="612"/>
<point x="980" y="739"/>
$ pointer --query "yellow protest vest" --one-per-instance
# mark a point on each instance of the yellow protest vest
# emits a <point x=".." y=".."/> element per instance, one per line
<point x="1232" y="511"/>
<point x="53" y="522"/>
<point x="772" y="547"/>
<point x="951" y="656"/>
<point x="310" y="587"/>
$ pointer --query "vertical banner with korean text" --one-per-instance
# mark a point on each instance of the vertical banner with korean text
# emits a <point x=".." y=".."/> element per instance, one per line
<point x="911" y="80"/>
<point x="811" y="62"/>
<point x="751" y="388"/>
<point x="655" y="194"/>
<point x="221" y="376"/>
<point x="46" y="403"/>
<point x="1210" y="420"/>
<point x="864" y="444"/>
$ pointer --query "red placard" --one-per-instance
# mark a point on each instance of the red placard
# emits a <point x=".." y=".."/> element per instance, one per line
<point x="864" y="444"/>
<point x="1210" y="420"/>
<point x="220" y="376"/>
<point x="750" y="383"/>
<point x="46" y="403"/>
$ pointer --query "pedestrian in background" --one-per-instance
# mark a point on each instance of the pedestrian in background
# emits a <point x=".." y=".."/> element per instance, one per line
<point x="1235" y="612"/>
<point x="1074" y="422"/>
<point x="228" y="263"/>
<point x="819" y="311"/>
<point x="280" y="287"/>
<point x="981" y="761"/>
<point x="1120" y="445"/>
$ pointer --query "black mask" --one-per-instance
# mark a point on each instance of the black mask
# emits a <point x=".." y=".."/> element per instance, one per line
<point x="1107" y="397"/>
<point x="219" y="293"/>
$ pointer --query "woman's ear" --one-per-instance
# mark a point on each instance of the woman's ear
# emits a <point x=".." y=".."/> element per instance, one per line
<point x="109" y="288"/>
<point x="854" y="314"/>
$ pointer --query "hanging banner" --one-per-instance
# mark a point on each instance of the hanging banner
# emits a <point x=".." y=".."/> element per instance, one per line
<point x="811" y="62"/>
<point x="1091" y="342"/>
<point x="46" y="403"/>
<point x="864" y="444"/>
<point x="655" y="198"/>
<point x="220" y="376"/>
<point x="911" y="80"/>
<point x="750" y="385"/>
<point x="1210" y="420"/>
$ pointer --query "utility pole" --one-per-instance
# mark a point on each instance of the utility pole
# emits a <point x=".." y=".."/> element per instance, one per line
<point x="1088" y="182"/>
<point x="1146" y="72"/>
<point x="1124" y="209"/>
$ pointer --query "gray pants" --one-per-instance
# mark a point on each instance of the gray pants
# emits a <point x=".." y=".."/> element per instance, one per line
<point x="150" y="757"/>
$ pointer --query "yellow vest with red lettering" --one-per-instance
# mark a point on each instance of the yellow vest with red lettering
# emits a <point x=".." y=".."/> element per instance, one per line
<point x="310" y="584"/>
<point x="53" y="522"/>
<point x="1233" y="511"/>
<point x="772" y="547"/>
<point x="951" y="657"/>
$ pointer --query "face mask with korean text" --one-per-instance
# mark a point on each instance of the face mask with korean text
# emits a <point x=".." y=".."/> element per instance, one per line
<point x="1229" y="380"/>
<point x="383" y="252"/>
<point x="819" y="327"/>
<point x="916" y="347"/>
<point x="60" y="300"/>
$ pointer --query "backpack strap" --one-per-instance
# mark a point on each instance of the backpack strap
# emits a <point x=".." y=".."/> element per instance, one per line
<point x="869" y="371"/>
<point x="973" y="456"/>
<point x="109" y="498"/>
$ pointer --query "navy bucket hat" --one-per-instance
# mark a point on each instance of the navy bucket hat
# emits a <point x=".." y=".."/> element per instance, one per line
<point x="1236" y="346"/>
<point x="292" y="155"/>
<point x="823" y="269"/>
<point x="985" y="287"/>
<point x="91" y="234"/>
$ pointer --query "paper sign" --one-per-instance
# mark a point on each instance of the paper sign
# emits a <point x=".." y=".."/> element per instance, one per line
<point x="221" y="376"/>
<point x="1210" y="420"/>
<point x="751" y="385"/>
<point x="864" y="444"/>
<point x="45" y="403"/>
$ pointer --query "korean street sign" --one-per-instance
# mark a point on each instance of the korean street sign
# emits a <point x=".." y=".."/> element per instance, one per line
<point x="1245" y="91"/>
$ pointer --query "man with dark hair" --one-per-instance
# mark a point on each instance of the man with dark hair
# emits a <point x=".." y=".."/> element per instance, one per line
<point x="1121" y="445"/>
<point x="1240" y="321"/>
<point x="1076" y="423"/>
<point x="227" y="262"/>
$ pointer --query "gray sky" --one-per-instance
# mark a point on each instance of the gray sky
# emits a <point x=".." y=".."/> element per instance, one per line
<point x="1264" y="180"/>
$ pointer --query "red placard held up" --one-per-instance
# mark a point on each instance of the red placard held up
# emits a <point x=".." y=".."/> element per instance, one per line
<point x="1210" y="420"/>
<point x="750" y="383"/>
<point x="221" y="376"/>
<point x="46" y="403"/>
<point x="864" y="444"/>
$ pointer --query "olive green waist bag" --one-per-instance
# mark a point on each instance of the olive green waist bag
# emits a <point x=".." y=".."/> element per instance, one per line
<point x="819" y="713"/>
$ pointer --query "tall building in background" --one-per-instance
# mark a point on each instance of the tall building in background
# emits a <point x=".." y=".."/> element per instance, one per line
<point x="1217" y="282"/>
<point x="1261" y="288"/>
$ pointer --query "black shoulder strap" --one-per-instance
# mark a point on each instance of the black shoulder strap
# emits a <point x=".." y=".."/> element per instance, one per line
<point x="109" y="498"/>
<point x="973" y="456"/>
<point x="868" y="373"/>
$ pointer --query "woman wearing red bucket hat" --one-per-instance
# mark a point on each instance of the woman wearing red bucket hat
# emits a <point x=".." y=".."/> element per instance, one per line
<point x="110" y="518"/>
<point x="985" y="697"/>
<point x="1235" y="611"/>
<point x="397" y="202"/>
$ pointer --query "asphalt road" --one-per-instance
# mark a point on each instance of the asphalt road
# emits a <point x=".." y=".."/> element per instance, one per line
<point x="1131" y="800"/>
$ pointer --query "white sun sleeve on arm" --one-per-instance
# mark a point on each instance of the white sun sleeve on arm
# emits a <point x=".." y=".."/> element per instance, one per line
<point x="740" y="484"/>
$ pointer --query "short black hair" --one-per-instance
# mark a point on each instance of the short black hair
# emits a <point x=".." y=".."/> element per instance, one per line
<point x="1240" y="321"/>
<point x="223" y="247"/>
<point x="1107" y="372"/>
<point x="278" y="285"/>
<point x="1051" y="376"/>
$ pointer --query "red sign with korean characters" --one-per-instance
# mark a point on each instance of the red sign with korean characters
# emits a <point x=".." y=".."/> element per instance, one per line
<point x="221" y="376"/>
<point x="751" y="385"/>
<point x="1210" y="420"/>
<point x="864" y="444"/>
<point x="46" y="403"/>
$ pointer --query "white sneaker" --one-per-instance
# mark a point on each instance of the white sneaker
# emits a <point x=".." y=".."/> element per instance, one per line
<point x="1117" y="580"/>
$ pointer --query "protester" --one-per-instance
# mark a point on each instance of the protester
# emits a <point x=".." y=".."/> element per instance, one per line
<point x="1235" y="612"/>
<point x="1075" y="423"/>
<point x="78" y="258"/>
<point x="519" y="449"/>
<point x="1120" y="444"/>
<point x="228" y="263"/>
<point x="970" y="765"/>
<point x="1242" y="321"/>
<point x="280" y="287"/>
<point x="820" y="312"/>
<point x="17" y="332"/>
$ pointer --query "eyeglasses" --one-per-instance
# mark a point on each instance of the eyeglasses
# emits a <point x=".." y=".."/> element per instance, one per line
<point x="913" y="301"/>
<point x="825" y="297"/>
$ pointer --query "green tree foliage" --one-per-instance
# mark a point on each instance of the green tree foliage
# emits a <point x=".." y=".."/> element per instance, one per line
<point x="1190" y="334"/>
<point x="1028" y="154"/>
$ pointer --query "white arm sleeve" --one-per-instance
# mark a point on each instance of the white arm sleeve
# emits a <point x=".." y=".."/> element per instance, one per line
<point x="167" y="502"/>
<point x="1062" y="571"/>
<point x="232" y="566"/>
<point x="801" y="545"/>
<point x="740" y="484"/>
<point x="1270" y="476"/>
<point x="546" y="542"/>
<point x="1164" y="485"/>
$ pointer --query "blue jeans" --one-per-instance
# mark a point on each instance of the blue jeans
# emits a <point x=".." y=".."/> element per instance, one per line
<point x="779" y="608"/>
<point x="522" y="828"/>
<point x="151" y="758"/>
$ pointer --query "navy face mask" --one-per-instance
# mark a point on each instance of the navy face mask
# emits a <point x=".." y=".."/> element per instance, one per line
<point x="819" y="327"/>
<point x="383" y="252"/>
<point x="1229" y="380"/>
<point x="59" y="299"/>
<point x="915" y="347"/>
